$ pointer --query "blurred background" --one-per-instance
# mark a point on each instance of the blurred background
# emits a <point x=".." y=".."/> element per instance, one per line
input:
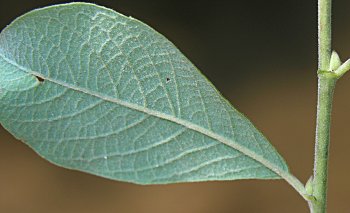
<point x="262" y="55"/>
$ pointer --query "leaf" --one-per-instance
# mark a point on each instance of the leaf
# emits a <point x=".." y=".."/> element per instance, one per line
<point x="90" y="89"/>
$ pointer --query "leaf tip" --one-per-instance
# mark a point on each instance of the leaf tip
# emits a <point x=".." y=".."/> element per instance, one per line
<point x="335" y="61"/>
<point x="309" y="186"/>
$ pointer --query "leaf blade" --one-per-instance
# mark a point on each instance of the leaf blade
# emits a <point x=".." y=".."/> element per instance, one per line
<point x="167" y="93"/>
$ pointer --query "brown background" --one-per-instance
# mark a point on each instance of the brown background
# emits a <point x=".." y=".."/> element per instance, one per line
<point x="262" y="56"/>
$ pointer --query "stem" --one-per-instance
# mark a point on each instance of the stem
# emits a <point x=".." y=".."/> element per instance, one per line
<point x="343" y="68"/>
<point x="326" y="84"/>
<point x="324" y="34"/>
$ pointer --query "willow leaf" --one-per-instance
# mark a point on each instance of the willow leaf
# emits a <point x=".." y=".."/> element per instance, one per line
<point x="90" y="89"/>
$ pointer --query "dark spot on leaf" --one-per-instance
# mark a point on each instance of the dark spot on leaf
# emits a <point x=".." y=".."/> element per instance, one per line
<point x="167" y="80"/>
<point x="40" y="79"/>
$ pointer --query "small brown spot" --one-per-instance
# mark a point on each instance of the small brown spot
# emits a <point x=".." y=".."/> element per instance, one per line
<point x="40" y="79"/>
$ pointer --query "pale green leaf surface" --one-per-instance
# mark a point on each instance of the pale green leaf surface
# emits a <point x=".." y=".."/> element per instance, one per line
<point x="120" y="101"/>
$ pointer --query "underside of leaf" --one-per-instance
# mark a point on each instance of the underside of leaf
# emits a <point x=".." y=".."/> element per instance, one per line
<point x="90" y="89"/>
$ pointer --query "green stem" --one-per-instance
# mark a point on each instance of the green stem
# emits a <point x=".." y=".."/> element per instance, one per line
<point x="324" y="34"/>
<point x="326" y="84"/>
